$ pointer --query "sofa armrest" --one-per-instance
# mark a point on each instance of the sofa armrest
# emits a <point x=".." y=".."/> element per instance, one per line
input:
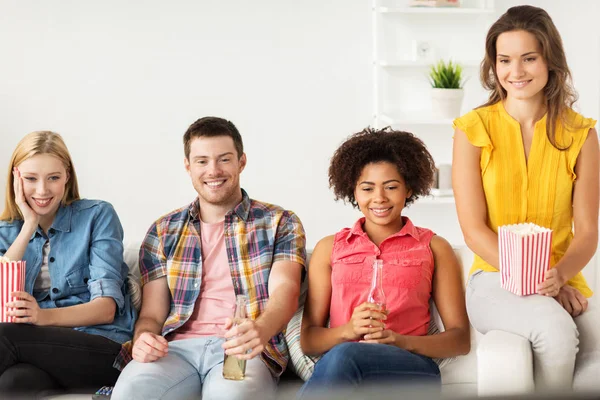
<point x="504" y="364"/>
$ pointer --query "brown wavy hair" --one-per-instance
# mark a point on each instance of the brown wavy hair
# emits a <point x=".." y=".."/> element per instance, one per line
<point x="558" y="92"/>
<point x="403" y="149"/>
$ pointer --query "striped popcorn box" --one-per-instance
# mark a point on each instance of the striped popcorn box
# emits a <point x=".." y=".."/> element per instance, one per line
<point x="12" y="279"/>
<point x="524" y="257"/>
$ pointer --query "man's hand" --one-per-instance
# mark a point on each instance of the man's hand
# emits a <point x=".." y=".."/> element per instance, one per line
<point x="552" y="284"/>
<point x="149" y="347"/>
<point x="247" y="342"/>
<point x="572" y="300"/>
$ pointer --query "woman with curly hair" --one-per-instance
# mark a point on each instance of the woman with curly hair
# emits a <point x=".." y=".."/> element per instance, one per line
<point x="380" y="172"/>
<point x="527" y="156"/>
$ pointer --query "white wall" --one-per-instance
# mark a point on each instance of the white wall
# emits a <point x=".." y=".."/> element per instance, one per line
<point x="121" y="81"/>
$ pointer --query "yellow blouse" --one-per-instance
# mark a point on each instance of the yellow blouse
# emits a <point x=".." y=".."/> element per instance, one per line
<point x="539" y="190"/>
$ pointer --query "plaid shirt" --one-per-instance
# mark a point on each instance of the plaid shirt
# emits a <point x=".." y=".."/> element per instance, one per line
<point x="256" y="236"/>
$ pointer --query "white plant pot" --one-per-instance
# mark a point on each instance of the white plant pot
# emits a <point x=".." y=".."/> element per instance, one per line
<point x="446" y="103"/>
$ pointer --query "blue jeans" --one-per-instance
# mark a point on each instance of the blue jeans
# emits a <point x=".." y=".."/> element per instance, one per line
<point x="350" y="365"/>
<point x="193" y="369"/>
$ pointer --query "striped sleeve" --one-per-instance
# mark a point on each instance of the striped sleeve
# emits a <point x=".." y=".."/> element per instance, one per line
<point x="290" y="240"/>
<point x="153" y="263"/>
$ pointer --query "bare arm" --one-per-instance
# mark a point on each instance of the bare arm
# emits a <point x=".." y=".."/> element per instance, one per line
<point x="156" y="302"/>
<point x="99" y="311"/>
<point x="449" y="299"/>
<point x="315" y="337"/>
<point x="586" y="201"/>
<point x="284" y="290"/>
<point x="470" y="200"/>
<point x="148" y="343"/>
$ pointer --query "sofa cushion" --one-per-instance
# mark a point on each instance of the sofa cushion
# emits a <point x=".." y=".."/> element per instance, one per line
<point x="300" y="363"/>
<point x="131" y="252"/>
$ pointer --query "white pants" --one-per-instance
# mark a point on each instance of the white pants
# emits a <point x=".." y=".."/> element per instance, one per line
<point x="566" y="350"/>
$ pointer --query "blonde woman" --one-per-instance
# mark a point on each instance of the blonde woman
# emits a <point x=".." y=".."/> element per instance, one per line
<point x="75" y="310"/>
<point x="527" y="156"/>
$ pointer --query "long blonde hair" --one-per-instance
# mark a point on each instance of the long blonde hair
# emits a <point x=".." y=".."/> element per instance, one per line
<point x="42" y="142"/>
<point x="558" y="92"/>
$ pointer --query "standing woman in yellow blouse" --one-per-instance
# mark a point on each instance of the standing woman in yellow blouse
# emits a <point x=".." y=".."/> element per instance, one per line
<point x="527" y="156"/>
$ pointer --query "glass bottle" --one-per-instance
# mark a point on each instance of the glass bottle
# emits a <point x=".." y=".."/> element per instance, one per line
<point x="376" y="294"/>
<point x="233" y="367"/>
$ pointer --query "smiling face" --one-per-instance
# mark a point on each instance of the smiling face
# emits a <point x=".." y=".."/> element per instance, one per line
<point x="44" y="180"/>
<point x="521" y="69"/>
<point x="214" y="167"/>
<point x="381" y="194"/>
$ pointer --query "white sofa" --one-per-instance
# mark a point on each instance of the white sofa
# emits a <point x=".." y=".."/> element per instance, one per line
<point x="499" y="363"/>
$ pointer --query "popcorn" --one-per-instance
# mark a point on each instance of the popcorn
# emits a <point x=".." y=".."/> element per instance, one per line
<point x="4" y="259"/>
<point x="524" y="257"/>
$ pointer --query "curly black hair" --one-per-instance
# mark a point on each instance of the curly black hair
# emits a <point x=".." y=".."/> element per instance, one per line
<point x="403" y="149"/>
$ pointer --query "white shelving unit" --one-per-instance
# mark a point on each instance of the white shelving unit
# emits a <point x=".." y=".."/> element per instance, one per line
<point x="422" y="63"/>
<point x="436" y="10"/>
<point x="435" y="200"/>
<point x="413" y="119"/>
<point x="401" y="90"/>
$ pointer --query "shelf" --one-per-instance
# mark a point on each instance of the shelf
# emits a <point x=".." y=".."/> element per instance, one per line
<point x="435" y="10"/>
<point x="414" y="119"/>
<point x="435" y="200"/>
<point x="448" y="193"/>
<point x="423" y="63"/>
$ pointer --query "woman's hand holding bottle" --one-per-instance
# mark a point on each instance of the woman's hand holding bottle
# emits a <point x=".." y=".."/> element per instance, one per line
<point x="367" y="318"/>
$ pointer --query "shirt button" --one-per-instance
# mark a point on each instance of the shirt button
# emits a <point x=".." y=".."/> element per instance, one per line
<point x="51" y="259"/>
<point x="196" y="284"/>
<point x="55" y="290"/>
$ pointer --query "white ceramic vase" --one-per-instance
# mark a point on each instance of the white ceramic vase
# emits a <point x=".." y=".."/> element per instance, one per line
<point x="446" y="103"/>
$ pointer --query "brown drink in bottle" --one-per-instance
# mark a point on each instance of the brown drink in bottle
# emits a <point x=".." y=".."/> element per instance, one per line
<point x="233" y="367"/>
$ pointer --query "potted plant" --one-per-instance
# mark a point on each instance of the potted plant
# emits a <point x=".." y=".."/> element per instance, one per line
<point x="446" y="80"/>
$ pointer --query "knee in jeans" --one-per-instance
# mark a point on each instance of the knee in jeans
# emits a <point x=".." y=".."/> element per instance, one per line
<point x="228" y="394"/>
<point x="345" y="352"/>
<point x="341" y="357"/>
<point x="130" y="379"/>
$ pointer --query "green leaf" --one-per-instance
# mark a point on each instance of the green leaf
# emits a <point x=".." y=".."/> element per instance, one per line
<point x="446" y="75"/>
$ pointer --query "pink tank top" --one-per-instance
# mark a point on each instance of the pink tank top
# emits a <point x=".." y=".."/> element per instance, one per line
<point x="407" y="275"/>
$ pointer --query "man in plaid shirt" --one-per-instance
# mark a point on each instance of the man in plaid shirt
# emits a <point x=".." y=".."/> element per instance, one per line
<point x="193" y="263"/>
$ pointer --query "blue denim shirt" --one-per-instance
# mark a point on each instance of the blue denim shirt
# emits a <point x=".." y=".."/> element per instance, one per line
<point x="85" y="262"/>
